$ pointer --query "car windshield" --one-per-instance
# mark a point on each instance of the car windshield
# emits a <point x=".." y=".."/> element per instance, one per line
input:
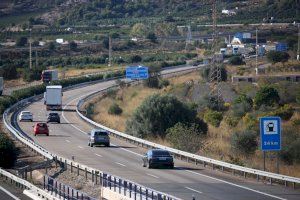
<point x="159" y="153"/>
<point x="101" y="133"/>
<point x="26" y="113"/>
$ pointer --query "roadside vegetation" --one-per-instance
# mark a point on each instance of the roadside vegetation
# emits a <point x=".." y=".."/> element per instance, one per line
<point x="229" y="132"/>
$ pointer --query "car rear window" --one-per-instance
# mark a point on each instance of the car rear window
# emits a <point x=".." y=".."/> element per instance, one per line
<point x="161" y="153"/>
<point x="26" y="113"/>
<point x="101" y="133"/>
<point x="53" y="114"/>
<point x="42" y="125"/>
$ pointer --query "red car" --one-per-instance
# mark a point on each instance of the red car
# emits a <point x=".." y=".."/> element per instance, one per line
<point x="41" y="128"/>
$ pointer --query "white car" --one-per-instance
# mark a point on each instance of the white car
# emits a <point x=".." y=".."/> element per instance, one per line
<point x="25" y="116"/>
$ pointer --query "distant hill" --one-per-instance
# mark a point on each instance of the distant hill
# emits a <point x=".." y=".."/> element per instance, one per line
<point x="71" y="12"/>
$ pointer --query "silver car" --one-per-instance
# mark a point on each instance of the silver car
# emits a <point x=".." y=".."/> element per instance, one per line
<point x="25" y="116"/>
<point x="99" y="137"/>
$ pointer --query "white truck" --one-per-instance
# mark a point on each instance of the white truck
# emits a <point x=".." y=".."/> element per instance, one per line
<point x="1" y="85"/>
<point x="49" y="75"/>
<point x="53" y="97"/>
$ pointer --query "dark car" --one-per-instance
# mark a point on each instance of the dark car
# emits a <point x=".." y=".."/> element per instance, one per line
<point x="158" y="158"/>
<point x="53" y="117"/>
<point x="99" y="137"/>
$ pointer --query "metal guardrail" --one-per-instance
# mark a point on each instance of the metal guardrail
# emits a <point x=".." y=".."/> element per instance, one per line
<point x="27" y="185"/>
<point x="88" y="170"/>
<point x="189" y="156"/>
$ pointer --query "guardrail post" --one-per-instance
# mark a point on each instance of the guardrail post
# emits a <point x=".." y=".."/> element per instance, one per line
<point x="134" y="192"/>
<point x="141" y="193"/>
<point x="257" y="177"/>
<point x="65" y="165"/>
<point x="59" y="191"/>
<point x="115" y="183"/>
<point x="71" y="167"/>
<point x="64" y="191"/>
<point x="120" y="186"/>
<point x="96" y="178"/>
<point x="92" y="176"/>
<point x="146" y="194"/>
<point x="294" y="185"/>
<point x="55" y="159"/>
<point x="68" y="193"/>
<point x="125" y="187"/>
<point x="44" y="182"/>
<point x="245" y="175"/>
<point x="271" y="181"/>
<point x="285" y="183"/>
<point x="130" y="189"/>
<point x="85" y="170"/>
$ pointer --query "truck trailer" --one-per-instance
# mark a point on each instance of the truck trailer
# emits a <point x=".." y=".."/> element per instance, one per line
<point x="49" y="75"/>
<point x="53" y="97"/>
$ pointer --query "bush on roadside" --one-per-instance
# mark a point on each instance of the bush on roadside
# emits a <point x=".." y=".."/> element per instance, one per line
<point x="266" y="95"/>
<point x="8" y="152"/>
<point x="290" y="152"/>
<point x="115" y="109"/>
<point x="244" y="143"/>
<point x="185" y="137"/>
<point x="285" y="112"/>
<point x="213" y="117"/>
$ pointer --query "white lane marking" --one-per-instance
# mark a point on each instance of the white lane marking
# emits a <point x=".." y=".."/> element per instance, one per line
<point x="120" y="164"/>
<point x="9" y="194"/>
<point x="80" y="147"/>
<point x="193" y="190"/>
<point x="244" y="187"/>
<point x="128" y="150"/>
<point x="239" y="186"/>
<point x="98" y="155"/>
<point x="68" y="141"/>
<point x="153" y="175"/>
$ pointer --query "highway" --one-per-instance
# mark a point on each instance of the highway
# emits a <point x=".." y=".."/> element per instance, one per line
<point x="9" y="192"/>
<point x="124" y="160"/>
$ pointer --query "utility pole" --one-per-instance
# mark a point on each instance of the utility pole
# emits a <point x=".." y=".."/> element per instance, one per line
<point x="256" y="49"/>
<point x="298" y="49"/>
<point x="36" y="59"/>
<point x="30" y="50"/>
<point x="109" y="51"/>
<point x="188" y="37"/>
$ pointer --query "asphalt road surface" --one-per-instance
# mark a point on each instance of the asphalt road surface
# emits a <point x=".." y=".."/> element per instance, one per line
<point x="9" y="192"/>
<point x="125" y="160"/>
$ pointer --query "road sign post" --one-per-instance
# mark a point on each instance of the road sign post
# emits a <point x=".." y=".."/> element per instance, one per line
<point x="270" y="136"/>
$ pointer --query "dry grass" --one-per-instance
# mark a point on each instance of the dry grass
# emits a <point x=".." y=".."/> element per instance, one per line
<point x="77" y="72"/>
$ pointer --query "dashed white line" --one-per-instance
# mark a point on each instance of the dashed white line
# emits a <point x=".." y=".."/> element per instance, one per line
<point x="98" y="155"/>
<point x="68" y="141"/>
<point x="153" y="175"/>
<point x="239" y="186"/>
<point x="193" y="190"/>
<point x="120" y="164"/>
<point x="80" y="147"/>
<point x="8" y="193"/>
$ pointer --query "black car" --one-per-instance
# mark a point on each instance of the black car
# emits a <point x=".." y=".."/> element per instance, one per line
<point x="53" y="117"/>
<point x="158" y="158"/>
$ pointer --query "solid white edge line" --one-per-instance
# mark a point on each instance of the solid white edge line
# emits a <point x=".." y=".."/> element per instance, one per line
<point x="243" y="187"/>
<point x="98" y="155"/>
<point x="153" y="175"/>
<point x="68" y="141"/>
<point x="120" y="164"/>
<point x="80" y="147"/>
<point x="193" y="190"/>
<point x="239" y="186"/>
<point x="9" y="194"/>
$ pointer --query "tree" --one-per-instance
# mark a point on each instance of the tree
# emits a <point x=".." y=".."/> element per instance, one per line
<point x="136" y="59"/>
<point x="244" y="142"/>
<point x="158" y="113"/>
<point x="152" y="37"/>
<point x="153" y="79"/>
<point x="73" y="46"/>
<point x="278" y="56"/>
<point x="185" y="137"/>
<point x="266" y="95"/>
<point x="21" y="41"/>
<point x="51" y="46"/>
<point x="8" y="152"/>
<point x="236" y="60"/>
<point x="139" y="30"/>
<point x="9" y="71"/>
<point x="213" y="117"/>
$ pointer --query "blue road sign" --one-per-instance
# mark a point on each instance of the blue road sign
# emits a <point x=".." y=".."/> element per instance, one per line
<point x="270" y="133"/>
<point x="137" y="72"/>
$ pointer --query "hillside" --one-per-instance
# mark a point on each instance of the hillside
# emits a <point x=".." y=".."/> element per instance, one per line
<point x="94" y="12"/>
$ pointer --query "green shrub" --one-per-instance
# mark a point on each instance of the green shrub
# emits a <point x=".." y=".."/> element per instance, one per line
<point x="236" y="60"/>
<point x="163" y="83"/>
<point x="158" y="113"/>
<point x="285" y="112"/>
<point x="244" y="143"/>
<point x="290" y="152"/>
<point x="115" y="109"/>
<point x="232" y="121"/>
<point x="8" y="152"/>
<point x="185" y="137"/>
<point x="266" y="95"/>
<point x="277" y="56"/>
<point x="213" y="117"/>
<point x="211" y="102"/>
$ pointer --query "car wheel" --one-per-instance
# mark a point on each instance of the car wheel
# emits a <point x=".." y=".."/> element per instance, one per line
<point x="89" y="144"/>
<point x="47" y="134"/>
<point x="149" y="166"/>
<point x="31" y="120"/>
<point x="171" y="166"/>
<point x="34" y="134"/>
<point x="107" y="145"/>
<point x="92" y="145"/>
